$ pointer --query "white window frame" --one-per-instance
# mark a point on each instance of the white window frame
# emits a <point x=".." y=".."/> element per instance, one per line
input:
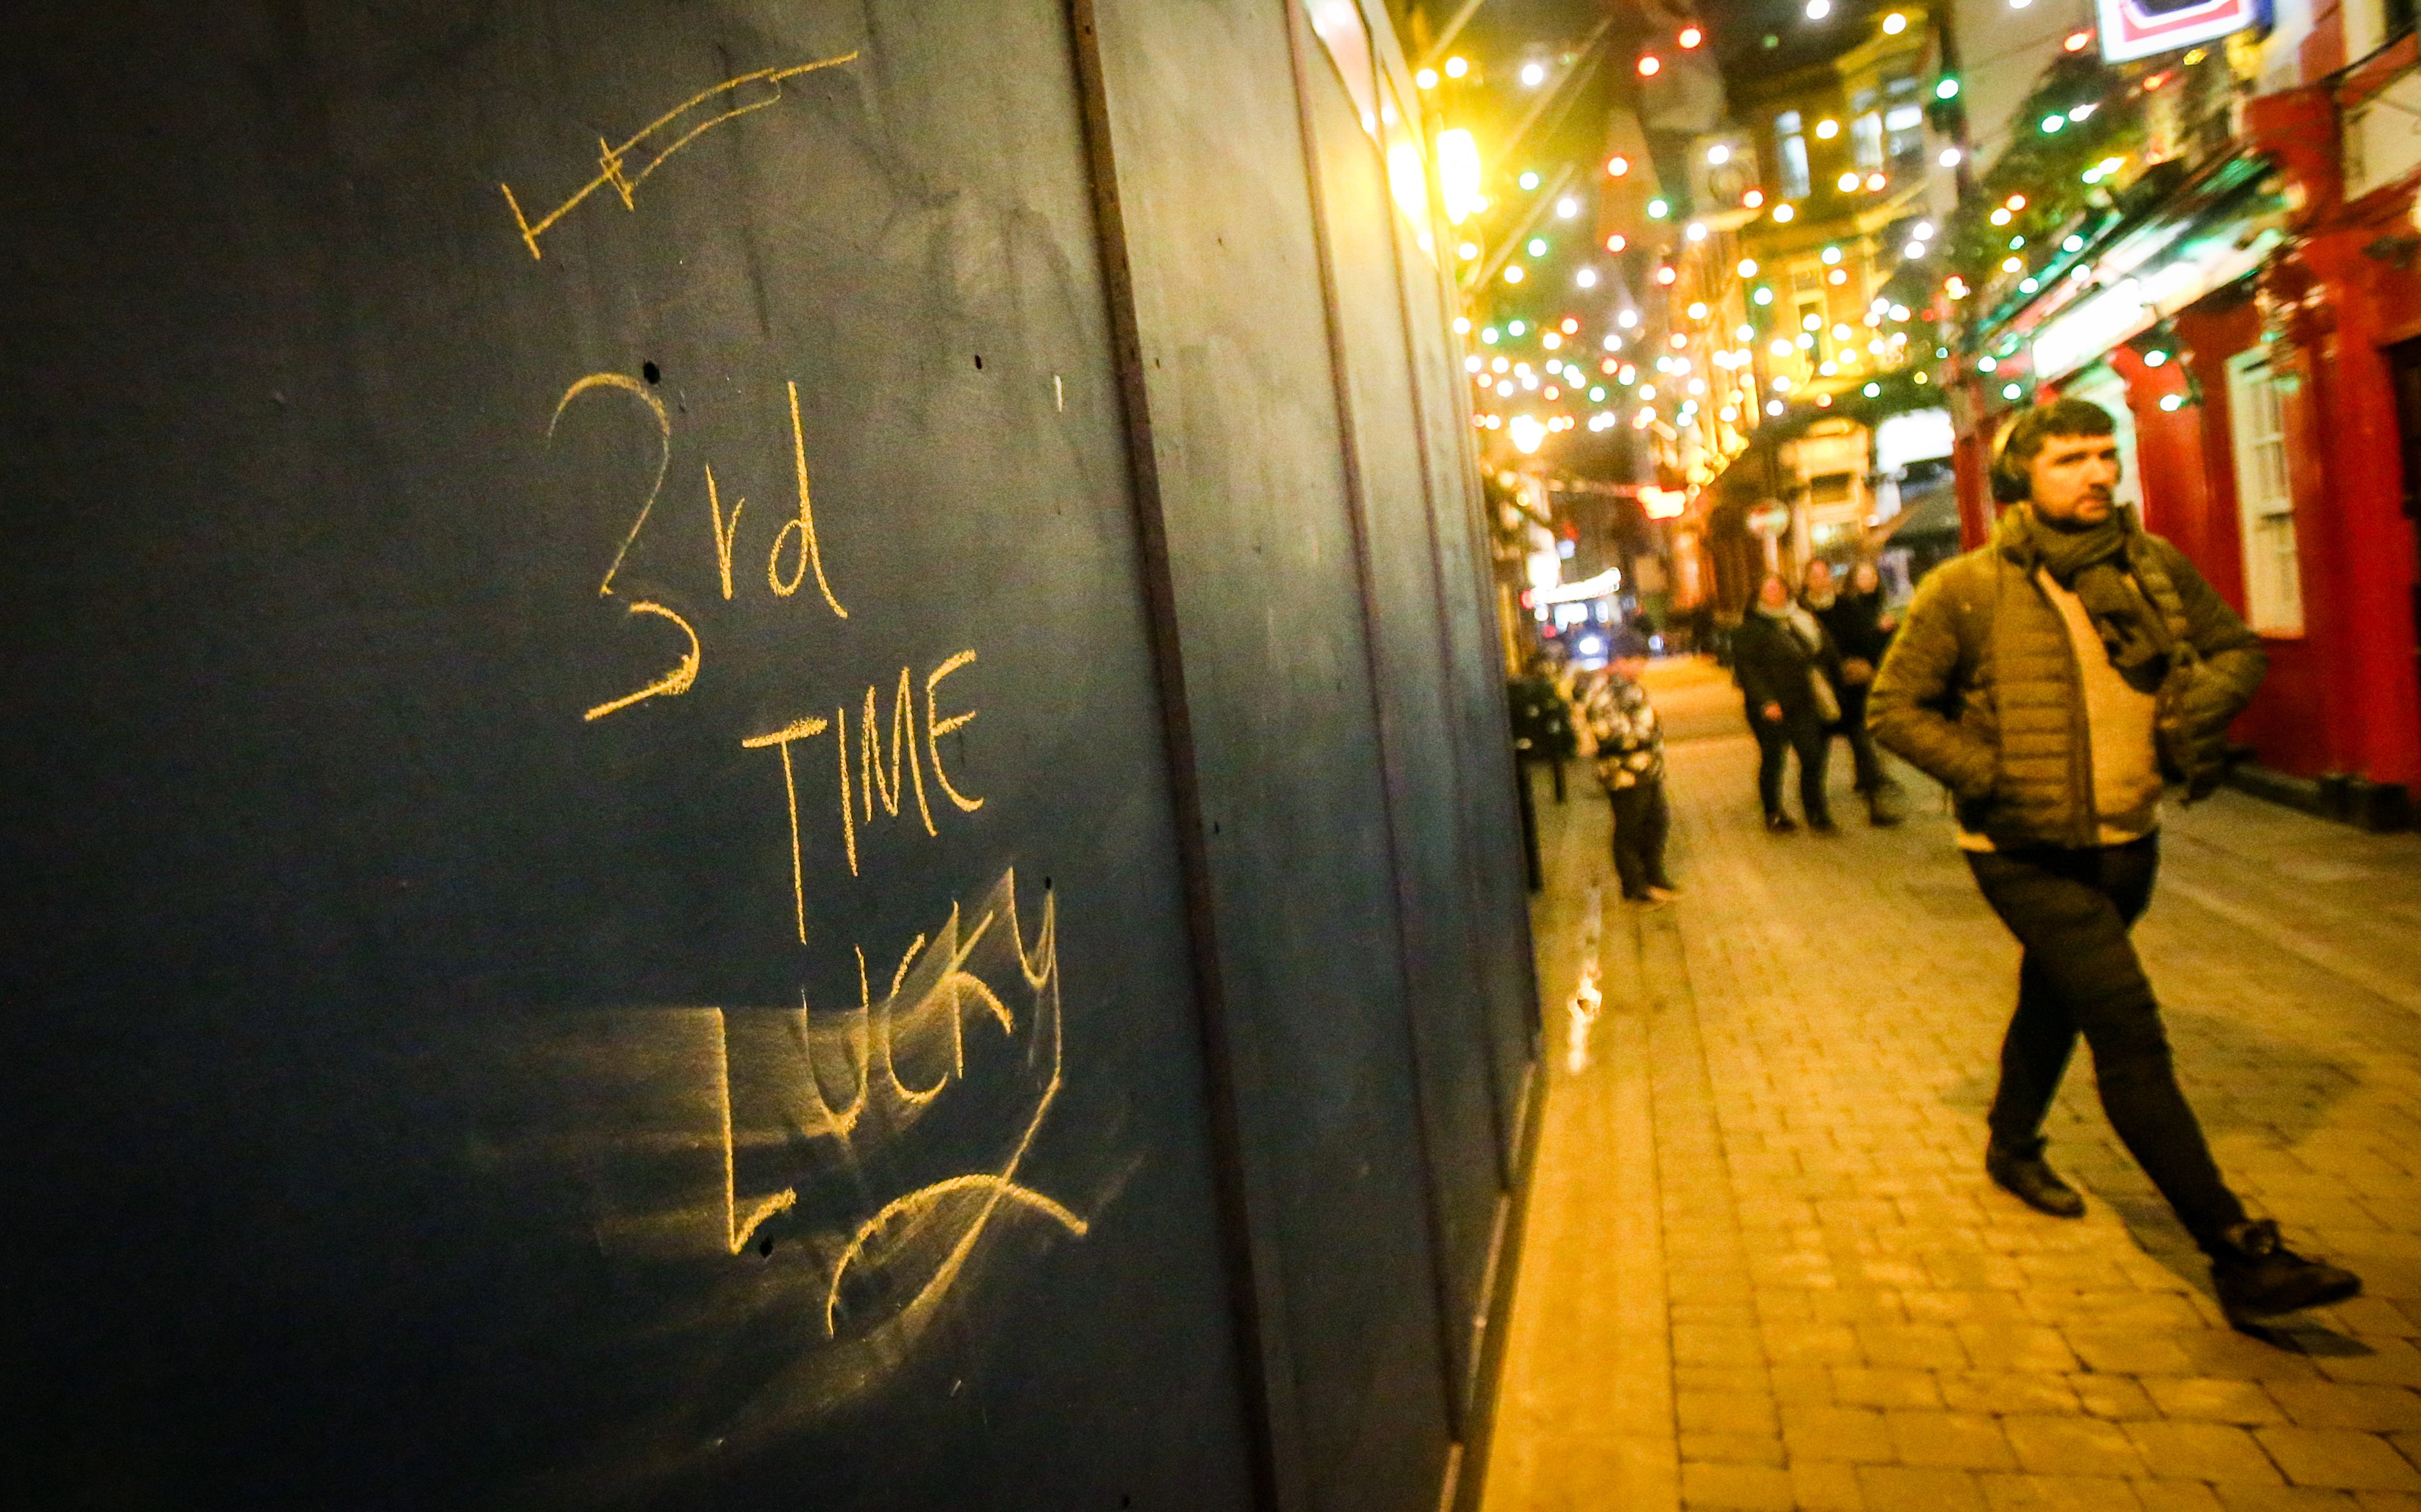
<point x="1866" y="140"/>
<point x="1790" y="151"/>
<point x="2265" y="496"/>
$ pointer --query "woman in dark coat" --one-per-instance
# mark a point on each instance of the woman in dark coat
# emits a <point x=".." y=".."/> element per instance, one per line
<point x="1861" y="626"/>
<point x="1788" y="668"/>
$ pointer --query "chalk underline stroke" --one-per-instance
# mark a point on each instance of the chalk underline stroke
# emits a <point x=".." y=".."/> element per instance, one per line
<point x="611" y="160"/>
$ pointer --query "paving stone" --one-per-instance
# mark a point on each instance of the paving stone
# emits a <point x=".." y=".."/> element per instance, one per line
<point x="2216" y="1452"/>
<point x="2176" y="1496"/>
<point x="2378" y="1315"/>
<point x="1745" y="1380"/>
<point x="1949" y="1306"/>
<point x="1962" y="1441"/>
<point x="2346" y="1458"/>
<point x="2315" y="1404"/>
<point x="1731" y="1448"/>
<point x="1710" y="1343"/>
<point x="2207" y="1399"/>
<point x="2223" y="1352"/>
<point x="2004" y="1393"/>
<point x="1822" y="1486"/>
<point x="2067" y="1445"/>
<point x="2390" y="1362"/>
<point x="1866" y="1387"/>
<point x="2285" y="1498"/>
<point x="1810" y="1385"/>
<point x="1905" y="1489"/>
<point x="1811" y="1343"/>
<point x="2015" y="1346"/>
<point x="1736" y="1487"/>
<point x="2059" y="1494"/>
<point x="1725" y="1412"/>
<point x="2130" y="1353"/>
<point x="2113" y="1397"/>
<point x="1912" y="1345"/>
<point x="1856" y="1434"/>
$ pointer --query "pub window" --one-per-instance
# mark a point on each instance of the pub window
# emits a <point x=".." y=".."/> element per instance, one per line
<point x="2265" y="503"/>
<point x="1866" y="140"/>
<point x="1790" y="151"/>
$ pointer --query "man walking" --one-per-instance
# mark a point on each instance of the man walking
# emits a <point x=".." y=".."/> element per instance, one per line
<point x="2047" y="680"/>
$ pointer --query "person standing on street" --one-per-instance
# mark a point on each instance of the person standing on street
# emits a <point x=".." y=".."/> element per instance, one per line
<point x="1787" y="670"/>
<point x="2047" y="680"/>
<point x="1631" y="764"/>
<point x="1542" y="720"/>
<point x="1861" y="626"/>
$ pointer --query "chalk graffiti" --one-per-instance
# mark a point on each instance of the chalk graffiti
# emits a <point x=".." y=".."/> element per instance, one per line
<point x="789" y="1197"/>
<point x="930" y="1232"/>
<point x="664" y="137"/>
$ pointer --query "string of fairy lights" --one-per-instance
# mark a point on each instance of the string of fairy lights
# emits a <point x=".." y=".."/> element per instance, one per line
<point x="1546" y="357"/>
<point x="1538" y="373"/>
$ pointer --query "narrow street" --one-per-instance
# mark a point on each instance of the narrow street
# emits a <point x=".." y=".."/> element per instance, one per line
<point x="1762" y="1268"/>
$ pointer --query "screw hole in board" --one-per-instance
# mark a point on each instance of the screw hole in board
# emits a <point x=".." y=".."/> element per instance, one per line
<point x="652" y="373"/>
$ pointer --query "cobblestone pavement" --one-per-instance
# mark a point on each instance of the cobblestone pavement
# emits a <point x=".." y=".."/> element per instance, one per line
<point x="1762" y="1269"/>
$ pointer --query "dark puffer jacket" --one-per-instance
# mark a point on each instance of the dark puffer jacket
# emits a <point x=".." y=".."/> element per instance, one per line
<point x="1981" y="690"/>
<point x="1772" y="665"/>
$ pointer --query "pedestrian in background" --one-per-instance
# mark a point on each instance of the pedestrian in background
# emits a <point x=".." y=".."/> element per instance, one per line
<point x="1542" y="719"/>
<point x="2047" y="680"/>
<point x="1861" y="625"/>
<point x="1629" y="742"/>
<point x="1787" y="670"/>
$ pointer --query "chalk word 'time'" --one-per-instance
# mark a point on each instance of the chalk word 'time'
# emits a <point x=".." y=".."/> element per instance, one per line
<point x="666" y="135"/>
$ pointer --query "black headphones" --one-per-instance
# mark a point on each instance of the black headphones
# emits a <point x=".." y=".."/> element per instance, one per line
<point x="2011" y="483"/>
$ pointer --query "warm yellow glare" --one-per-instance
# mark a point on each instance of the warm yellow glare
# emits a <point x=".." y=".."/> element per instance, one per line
<point x="1827" y="130"/>
<point x="1748" y="268"/>
<point x="1458" y="166"/>
<point x="1783" y="213"/>
<point x="1427" y="77"/>
<point x="1456" y="68"/>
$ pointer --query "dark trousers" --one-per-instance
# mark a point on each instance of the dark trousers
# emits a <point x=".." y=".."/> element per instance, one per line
<point x="1809" y="739"/>
<point x="2072" y="909"/>
<point x="1861" y="745"/>
<point x="1642" y="819"/>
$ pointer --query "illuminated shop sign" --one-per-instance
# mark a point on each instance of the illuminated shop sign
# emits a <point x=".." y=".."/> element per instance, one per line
<point x="2139" y="29"/>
